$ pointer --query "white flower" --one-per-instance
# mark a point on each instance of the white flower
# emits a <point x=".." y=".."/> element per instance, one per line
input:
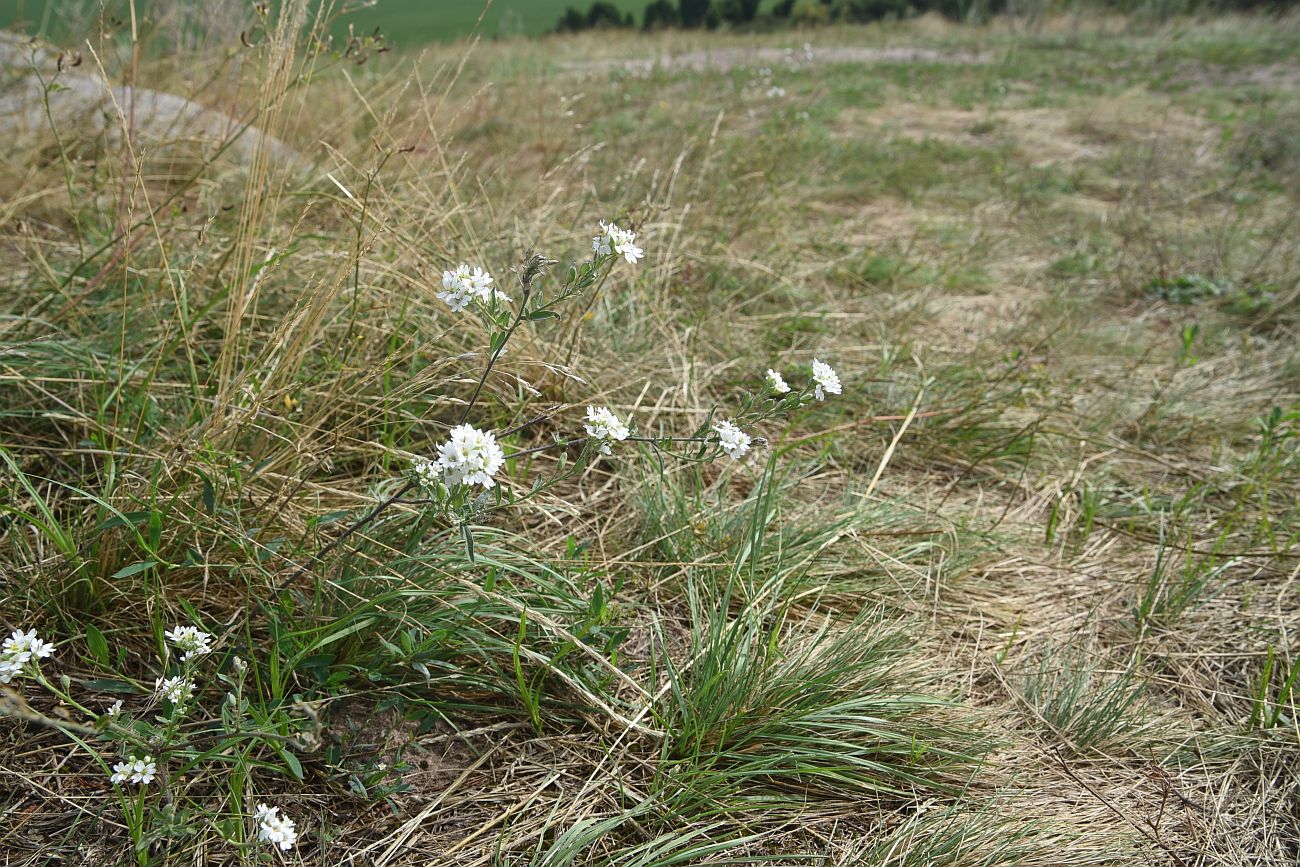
<point x="139" y="771"/>
<point x="734" y="441"/>
<point x="25" y="645"/>
<point x="603" y="244"/>
<point x="176" y="690"/>
<point x="470" y="457"/>
<point x="628" y="250"/>
<point x="775" y="92"/>
<point x="462" y="286"/>
<point x="776" y="382"/>
<point x="604" y="426"/>
<point x="612" y="239"/>
<point x="274" y="828"/>
<point x="115" y="708"/>
<point x="828" y="382"/>
<point x="428" y="475"/>
<point x="194" y="642"/>
<point x="19" y="644"/>
<point x="9" y="668"/>
<point x="143" y="770"/>
<point x="19" y="649"/>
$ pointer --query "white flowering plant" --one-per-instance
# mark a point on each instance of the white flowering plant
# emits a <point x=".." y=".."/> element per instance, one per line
<point x="166" y="729"/>
<point x="152" y="737"/>
<point x="459" y="480"/>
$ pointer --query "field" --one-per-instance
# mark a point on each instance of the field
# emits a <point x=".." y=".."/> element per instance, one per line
<point x="1023" y="593"/>
<point x="409" y="23"/>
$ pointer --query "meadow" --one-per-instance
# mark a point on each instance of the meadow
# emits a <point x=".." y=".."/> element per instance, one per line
<point x="408" y="23"/>
<point x="1023" y="592"/>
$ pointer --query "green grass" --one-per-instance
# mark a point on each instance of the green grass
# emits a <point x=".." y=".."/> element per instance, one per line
<point x="407" y="23"/>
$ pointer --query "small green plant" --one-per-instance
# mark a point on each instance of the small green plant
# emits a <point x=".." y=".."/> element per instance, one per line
<point x="157" y="743"/>
<point x="770" y="703"/>
<point x="1273" y="698"/>
<point x="1187" y="289"/>
<point x="1186" y="357"/>
<point x="1179" y="581"/>
<point x="1080" y="704"/>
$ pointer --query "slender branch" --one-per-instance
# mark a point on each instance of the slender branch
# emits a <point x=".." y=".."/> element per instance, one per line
<point x="369" y="518"/>
<point x="356" y="254"/>
<point x="548" y="447"/>
<point x="582" y="440"/>
<point x="532" y="267"/>
<point x="521" y="427"/>
<point x="1151" y="835"/>
<point x="576" y="332"/>
<point x="519" y="317"/>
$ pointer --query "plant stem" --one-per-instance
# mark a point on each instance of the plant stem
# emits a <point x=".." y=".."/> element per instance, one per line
<point x="519" y="317"/>
<point x="346" y="534"/>
<point x="581" y="440"/>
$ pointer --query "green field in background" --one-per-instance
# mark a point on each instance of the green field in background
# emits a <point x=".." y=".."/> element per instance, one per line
<point x="406" y="22"/>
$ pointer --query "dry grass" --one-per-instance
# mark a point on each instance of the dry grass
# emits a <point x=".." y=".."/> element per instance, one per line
<point x="1041" y="638"/>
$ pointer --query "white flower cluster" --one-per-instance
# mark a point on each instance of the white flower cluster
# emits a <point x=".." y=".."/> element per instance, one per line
<point x="428" y="475"/>
<point x="734" y="441"/>
<point x="612" y="239"/>
<point x="139" y="771"/>
<point x="19" y="649"/>
<point x="274" y="828"/>
<point x="470" y="457"/>
<point x="828" y="381"/>
<point x="776" y="382"/>
<point x="176" y="690"/>
<point x="602" y="425"/>
<point x="190" y="641"/>
<point x="461" y="287"/>
<point x="825" y="380"/>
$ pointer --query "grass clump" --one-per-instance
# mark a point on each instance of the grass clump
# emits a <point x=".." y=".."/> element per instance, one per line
<point x="1082" y="704"/>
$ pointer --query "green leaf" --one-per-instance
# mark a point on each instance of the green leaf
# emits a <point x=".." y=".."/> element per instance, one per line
<point x="330" y="518"/>
<point x="97" y="644"/>
<point x="135" y="569"/>
<point x="122" y="520"/>
<point x="295" y="766"/>
<point x="209" y="497"/>
<point x="110" y="685"/>
<point x="469" y="541"/>
<point x="155" y="530"/>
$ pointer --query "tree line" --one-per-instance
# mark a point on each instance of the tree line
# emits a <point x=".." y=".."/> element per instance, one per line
<point x="661" y="14"/>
